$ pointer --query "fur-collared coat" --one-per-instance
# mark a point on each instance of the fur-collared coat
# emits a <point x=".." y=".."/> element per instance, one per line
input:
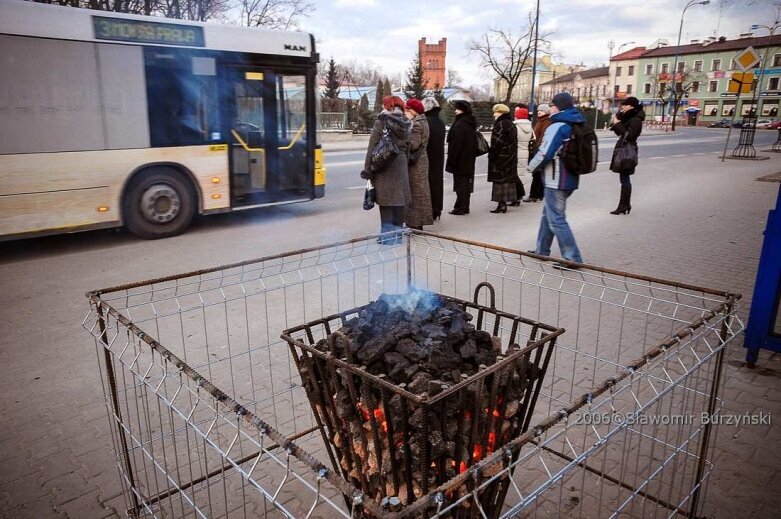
<point x="503" y="155"/>
<point x="391" y="185"/>
<point x="419" y="212"/>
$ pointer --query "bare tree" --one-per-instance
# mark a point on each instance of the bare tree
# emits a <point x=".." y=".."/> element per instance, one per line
<point x="274" y="14"/>
<point x="683" y="82"/>
<point x="453" y="77"/>
<point x="197" y="10"/>
<point x="365" y="74"/>
<point x="481" y="92"/>
<point x="507" y="54"/>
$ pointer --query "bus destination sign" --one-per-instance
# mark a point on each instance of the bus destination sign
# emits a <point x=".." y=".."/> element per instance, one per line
<point x="138" y="31"/>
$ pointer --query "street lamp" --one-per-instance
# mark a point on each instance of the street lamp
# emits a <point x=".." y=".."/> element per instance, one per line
<point x="610" y="46"/>
<point x="677" y="51"/>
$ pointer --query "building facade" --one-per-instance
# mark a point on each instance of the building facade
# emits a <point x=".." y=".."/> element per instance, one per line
<point x="707" y="68"/>
<point x="624" y="71"/>
<point x="589" y="87"/>
<point x="546" y="71"/>
<point x="432" y="58"/>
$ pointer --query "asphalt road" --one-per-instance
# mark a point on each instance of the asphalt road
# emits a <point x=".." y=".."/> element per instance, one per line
<point x="343" y="167"/>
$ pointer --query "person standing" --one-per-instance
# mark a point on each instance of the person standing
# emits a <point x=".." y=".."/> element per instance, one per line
<point x="523" y="127"/>
<point x="503" y="159"/>
<point x="627" y="124"/>
<point x="461" y="155"/>
<point x="559" y="183"/>
<point x="436" y="155"/>
<point x="537" y="189"/>
<point x="418" y="213"/>
<point x="391" y="183"/>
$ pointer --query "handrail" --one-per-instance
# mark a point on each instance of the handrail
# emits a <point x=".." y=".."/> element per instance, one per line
<point x="247" y="148"/>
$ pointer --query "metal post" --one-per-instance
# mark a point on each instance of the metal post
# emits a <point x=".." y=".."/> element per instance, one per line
<point x="532" y="104"/>
<point x="673" y="104"/>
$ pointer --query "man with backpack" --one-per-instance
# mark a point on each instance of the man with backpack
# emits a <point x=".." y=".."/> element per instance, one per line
<point x="557" y="158"/>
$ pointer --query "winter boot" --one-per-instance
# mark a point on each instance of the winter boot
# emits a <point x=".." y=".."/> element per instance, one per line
<point x="624" y="204"/>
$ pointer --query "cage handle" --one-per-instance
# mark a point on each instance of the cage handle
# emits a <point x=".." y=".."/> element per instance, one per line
<point x="491" y="291"/>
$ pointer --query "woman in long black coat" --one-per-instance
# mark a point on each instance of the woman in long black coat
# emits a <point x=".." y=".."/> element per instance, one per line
<point x="503" y="159"/>
<point x="436" y="155"/>
<point x="461" y="155"/>
<point x="627" y="124"/>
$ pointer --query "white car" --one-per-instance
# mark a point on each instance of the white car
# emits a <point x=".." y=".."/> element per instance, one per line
<point x="761" y="123"/>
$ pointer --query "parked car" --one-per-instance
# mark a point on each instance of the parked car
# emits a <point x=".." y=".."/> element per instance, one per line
<point x="761" y="123"/>
<point x="775" y="125"/>
<point x="724" y="123"/>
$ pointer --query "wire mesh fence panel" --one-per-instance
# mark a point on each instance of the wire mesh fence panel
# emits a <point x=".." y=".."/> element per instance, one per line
<point x="210" y="419"/>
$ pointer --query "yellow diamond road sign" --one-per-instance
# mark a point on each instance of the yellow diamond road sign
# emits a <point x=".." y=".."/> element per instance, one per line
<point x="746" y="59"/>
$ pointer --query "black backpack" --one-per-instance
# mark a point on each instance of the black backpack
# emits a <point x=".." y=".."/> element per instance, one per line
<point x="580" y="155"/>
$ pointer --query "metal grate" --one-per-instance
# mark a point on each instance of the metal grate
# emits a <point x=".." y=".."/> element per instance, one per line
<point x="210" y="419"/>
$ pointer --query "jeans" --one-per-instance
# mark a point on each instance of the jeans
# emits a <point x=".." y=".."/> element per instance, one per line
<point x="626" y="180"/>
<point x="554" y="223"/>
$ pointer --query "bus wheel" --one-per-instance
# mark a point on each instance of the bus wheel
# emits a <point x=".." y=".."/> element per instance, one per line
<point x="158" y="203"/>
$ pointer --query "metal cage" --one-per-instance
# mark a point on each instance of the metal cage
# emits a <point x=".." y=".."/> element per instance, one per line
<point x="209" y="417"/>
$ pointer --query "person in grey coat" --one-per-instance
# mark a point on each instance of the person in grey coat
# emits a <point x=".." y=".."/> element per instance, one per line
<point x="419" y="213"/>
<point x="391" y="184"/>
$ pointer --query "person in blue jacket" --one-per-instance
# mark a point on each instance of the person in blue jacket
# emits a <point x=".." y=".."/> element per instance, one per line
<point x="559" y="183"/>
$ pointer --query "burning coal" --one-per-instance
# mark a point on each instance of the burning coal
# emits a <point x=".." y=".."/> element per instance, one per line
<point x="409" y="392"/>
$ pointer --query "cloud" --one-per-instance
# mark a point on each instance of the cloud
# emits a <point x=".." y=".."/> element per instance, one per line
<point x="387" y="33"/>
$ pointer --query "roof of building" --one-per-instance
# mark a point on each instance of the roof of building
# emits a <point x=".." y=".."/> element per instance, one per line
<point x="584" y="74"/>
<point x="633" y="53"/>
<point x="716" y="46"/>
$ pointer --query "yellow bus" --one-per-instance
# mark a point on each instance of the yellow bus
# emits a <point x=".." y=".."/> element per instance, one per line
<point x="109" y="119"/>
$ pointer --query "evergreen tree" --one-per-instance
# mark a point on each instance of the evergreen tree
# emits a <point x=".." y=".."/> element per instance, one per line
<point x="439" y="95"/>
<point x="380" y="94"/>
<point x="332" y="82"/>
<point x="416" y="86"/>
<point x="386" y="87"/>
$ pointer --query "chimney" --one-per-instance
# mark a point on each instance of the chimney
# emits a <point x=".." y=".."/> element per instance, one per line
<point x="722" y="38"/>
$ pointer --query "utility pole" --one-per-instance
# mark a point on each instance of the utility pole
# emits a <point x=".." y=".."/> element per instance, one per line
<point x="532" y="104"/>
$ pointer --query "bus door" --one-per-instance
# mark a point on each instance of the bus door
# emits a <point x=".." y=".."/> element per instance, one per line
<point x="269" y="150"/>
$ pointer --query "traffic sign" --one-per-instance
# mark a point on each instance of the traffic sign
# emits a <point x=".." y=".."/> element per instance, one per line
<point x="743" y="81"/>
<point x="746" y="59"/>
<point x="765" y="71"/>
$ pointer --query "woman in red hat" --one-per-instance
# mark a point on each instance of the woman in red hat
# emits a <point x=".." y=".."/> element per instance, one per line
<point x="419" y="213"/>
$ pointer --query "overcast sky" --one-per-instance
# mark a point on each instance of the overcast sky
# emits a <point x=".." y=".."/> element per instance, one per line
<point x="385" y="32"/>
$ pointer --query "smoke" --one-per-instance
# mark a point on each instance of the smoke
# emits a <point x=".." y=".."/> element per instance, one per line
<point x="415" y="300"/>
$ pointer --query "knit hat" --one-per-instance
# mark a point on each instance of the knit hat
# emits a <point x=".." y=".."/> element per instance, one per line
<point x="631" y="101"/>
<point x="562" y="101"/>
<point x="429" y="103"/>
<point x="464" y="106"/>
<point x="521" y="112"/>
<point x="416" y="106"/>
<point x="544" y="107"/>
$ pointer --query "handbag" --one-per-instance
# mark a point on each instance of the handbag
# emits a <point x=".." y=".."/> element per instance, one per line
<point x="624" y="157"/>
<point x="369" y="196"/>
<point x="482" y="144"/>
<point x="383" y="153"/>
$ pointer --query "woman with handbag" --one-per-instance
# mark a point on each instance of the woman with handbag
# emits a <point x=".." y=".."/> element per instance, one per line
<point x="386" y="165"/>
<point x="627" y="124"/>
<point x="537" y="189"/>
<point x="419" y="213"/>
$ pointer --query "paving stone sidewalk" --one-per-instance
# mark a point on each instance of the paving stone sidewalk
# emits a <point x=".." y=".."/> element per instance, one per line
<point x="696" y="220"/>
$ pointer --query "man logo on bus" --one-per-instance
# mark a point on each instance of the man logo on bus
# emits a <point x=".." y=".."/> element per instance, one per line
<point x="295" y="47"/>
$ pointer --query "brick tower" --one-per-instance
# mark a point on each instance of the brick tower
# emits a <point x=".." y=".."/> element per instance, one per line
<point x="432" y="57"/>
